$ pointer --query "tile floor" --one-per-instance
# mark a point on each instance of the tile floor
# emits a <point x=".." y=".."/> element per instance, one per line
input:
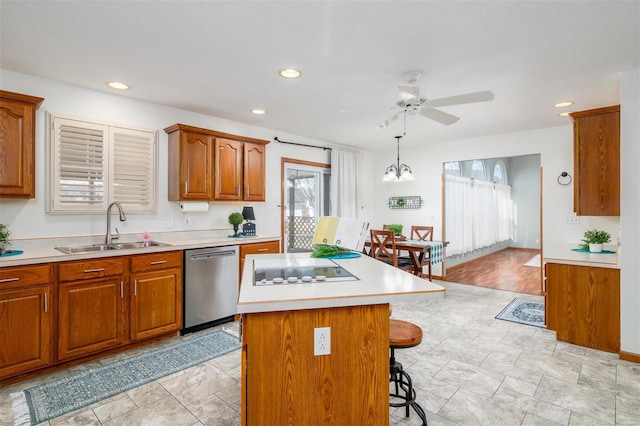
<point x="470" y="369"/>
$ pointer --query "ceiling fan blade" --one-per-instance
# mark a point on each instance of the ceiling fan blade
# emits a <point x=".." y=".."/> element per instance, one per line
<point x="389" y="120"/>
<point x="409" y="92"/>
<point x="467" y="98"/>
<point x="439" y="116"/>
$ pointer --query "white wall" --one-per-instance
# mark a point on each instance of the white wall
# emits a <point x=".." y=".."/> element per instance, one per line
<point x="630" y="211"/>
<point x="524" y="178"/>
<point x="27" y="218"/>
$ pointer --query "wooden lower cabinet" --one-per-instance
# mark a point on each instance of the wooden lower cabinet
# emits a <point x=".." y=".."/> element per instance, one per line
<point x="257" y="248"/>
<point x="25" y="329"/>
<point x="26" y="319"/>
<point x="583" y="305"/>
<point x="156" y="295"/>
<point x="284" y="383"/>
<point x="91" y="316"/>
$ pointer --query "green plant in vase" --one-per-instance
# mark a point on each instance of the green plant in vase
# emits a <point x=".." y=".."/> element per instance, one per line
<point x="236" y="219"/>
<point x="594" y="239"/>
<point x="396" y="228"/>
<point x="4" y="238"/>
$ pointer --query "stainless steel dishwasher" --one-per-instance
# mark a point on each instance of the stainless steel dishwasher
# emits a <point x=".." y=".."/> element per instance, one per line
<point x="210" y="286"/>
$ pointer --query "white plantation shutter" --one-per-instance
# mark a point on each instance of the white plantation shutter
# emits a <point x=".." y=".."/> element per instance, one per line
<point x="133" y="176"/>
<point x="93" y="164"/>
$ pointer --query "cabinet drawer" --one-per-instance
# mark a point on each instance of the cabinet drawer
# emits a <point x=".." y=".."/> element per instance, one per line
<point x="153" y="261"/>
<point x="19" y="276"/>
<point x="91" y="268"/>
<point x="259" y="248"/>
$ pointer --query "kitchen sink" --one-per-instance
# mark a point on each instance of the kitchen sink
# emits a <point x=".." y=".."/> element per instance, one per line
<point x="114" y="246"/>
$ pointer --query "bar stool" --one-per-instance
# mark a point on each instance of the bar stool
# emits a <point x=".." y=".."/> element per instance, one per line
<point x="402" y="335"/>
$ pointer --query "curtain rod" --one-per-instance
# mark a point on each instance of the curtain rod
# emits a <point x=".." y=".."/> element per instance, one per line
<point x="324" y="148"/>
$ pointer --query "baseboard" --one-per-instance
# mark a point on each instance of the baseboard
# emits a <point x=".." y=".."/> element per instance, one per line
<point x="629" y="356"/>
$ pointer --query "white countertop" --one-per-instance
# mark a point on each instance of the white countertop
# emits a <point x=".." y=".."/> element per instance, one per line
<point x="378" y="283"/>
<point x="563" y="254"/>
<point x="42" y="250"/>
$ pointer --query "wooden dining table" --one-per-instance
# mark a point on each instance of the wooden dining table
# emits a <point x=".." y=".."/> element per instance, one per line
<point x="417" y="249"/>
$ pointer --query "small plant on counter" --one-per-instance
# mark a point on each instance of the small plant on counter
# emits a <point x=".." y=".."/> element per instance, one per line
<point x="4" y="237"/>
<point x="236" y="219"/>
<point x="594" y="236"/>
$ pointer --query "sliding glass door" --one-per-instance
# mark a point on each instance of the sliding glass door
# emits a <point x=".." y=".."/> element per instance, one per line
<point x="305" y="198"/>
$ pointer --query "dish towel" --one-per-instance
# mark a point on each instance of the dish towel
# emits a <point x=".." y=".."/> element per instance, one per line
<point x="437" y="251"/>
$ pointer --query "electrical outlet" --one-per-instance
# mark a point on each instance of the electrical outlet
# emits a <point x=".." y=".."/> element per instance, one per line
<point x="322" y="341"/>
<point x="572" y="219"/>
<point x="167" y="222"/>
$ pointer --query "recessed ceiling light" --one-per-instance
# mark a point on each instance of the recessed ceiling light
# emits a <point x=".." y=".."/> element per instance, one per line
<point x="563" y="104"/>
<point x="258" y="111"/>
<point x="117" y="85"/>
<point x="564" y="114"/>
<point x="290" y="73"/>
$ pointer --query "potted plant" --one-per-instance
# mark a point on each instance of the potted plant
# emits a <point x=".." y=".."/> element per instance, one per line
<point x="235" y="219"/>
<point x="4" y="238"/>
<point x="396" y="228"/>
<point x="594" y="239"/>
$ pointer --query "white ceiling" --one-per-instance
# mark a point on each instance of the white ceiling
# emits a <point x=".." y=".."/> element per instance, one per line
<point x="221" y="59"/>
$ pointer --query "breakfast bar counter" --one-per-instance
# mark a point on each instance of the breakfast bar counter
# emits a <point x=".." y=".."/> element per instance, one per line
<point x="315" y="347"/>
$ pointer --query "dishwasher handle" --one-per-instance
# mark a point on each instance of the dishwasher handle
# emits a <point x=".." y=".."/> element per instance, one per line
<point x="212" y="254"/>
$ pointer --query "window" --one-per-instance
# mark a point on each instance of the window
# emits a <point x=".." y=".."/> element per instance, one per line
<point x="478" y="170"/>
<point x="93" y="164"/>
<point x="500" y="173"/>
<point x="453" y="168"/>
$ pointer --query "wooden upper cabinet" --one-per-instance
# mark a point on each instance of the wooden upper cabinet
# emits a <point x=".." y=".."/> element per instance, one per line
<point x="254" y="172"/>
<point x="210" y="165"/>
<point x="17" y="144"/>
<point x="228" y="169"/>
<point x="597" y="161"/>
<point x="190" y="170"/>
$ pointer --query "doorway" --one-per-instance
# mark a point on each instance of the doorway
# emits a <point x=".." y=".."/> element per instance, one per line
<point x="493" y="222"/>
<point x="305" y="197"/>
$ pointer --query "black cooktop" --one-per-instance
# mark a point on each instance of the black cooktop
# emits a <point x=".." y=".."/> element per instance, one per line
<point x="326" y="270"/>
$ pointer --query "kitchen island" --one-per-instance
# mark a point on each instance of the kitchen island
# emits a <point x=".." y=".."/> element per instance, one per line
<point x="316" y="351"/>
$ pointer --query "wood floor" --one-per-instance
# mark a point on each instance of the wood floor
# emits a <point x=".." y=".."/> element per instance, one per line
<point x="503" y="270"/>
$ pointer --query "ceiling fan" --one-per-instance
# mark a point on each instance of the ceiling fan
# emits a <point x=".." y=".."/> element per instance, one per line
<point x="413" y="104"/>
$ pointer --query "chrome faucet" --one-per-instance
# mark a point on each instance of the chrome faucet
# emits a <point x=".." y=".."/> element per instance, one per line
<point x="108" y="237"/>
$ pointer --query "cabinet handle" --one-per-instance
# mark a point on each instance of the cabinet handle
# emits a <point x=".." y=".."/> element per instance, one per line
<point x="248" y="192"/>
<point x="46" y="305"/>
<point x="8" y="280"/>
<point x="158" y="262"/>
<point x="86" y="271"/>
<point x="186" y="186"/>
<point x="263" y="249"/>
<point x="121" y="290"/>
<point x="135" y="287"/>
<point x="238" y="191"/>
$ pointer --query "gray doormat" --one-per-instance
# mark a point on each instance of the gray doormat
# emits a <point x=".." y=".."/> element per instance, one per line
<point x="67" y="394"/>
<point x="524" y="311"/>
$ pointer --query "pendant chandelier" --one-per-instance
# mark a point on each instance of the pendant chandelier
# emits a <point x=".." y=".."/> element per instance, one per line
<point x="398" y="172"/>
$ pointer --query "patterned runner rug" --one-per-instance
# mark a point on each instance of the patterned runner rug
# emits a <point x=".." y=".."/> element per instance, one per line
<point x="67" y="394"/>
<point x="524" y="311"/>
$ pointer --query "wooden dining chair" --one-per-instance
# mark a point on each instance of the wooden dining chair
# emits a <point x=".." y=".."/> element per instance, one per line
<point x="423" y="233"/>
<point x="383" y="247"/>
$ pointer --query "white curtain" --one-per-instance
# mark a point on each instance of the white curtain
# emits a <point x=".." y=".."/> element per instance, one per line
<point x="458" y="217"/>
<point x="477" y="214"/>
<point x="344" y="172"/>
